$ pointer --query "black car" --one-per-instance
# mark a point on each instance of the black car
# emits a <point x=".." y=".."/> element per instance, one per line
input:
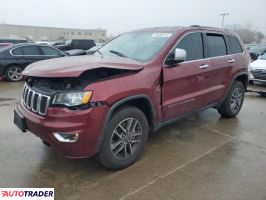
<point x="14" y="58"/>
<point x="76" y="44"/>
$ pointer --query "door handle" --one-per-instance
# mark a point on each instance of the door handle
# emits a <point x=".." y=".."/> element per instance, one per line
<point x="231" y="61"/>
<point x="204" y="66"/>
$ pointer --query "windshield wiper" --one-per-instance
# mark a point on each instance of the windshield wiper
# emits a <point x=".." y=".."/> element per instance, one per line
<point x="118" y="53"/>
<point x="98" y="51"/>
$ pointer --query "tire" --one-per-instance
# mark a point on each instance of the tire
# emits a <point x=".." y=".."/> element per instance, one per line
<point x="234" y="101"/>
<point x="251" y="82"/>
<point x="122" y="146"/>
<point x="14" y="73"/>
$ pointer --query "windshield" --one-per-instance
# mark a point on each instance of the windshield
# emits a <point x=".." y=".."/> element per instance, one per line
<point x="263" y="56"/>
<point x="141" y="46"/>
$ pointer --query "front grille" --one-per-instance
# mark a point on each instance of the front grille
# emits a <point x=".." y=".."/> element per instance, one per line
<point x="35" y="101"/>
<point x="259" y="74"/>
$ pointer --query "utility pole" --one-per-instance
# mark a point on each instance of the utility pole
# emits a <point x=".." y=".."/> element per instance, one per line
<point x="223" y="15"/>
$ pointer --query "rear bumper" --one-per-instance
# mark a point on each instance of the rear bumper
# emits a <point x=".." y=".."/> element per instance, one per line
<point x="87" y="123"/>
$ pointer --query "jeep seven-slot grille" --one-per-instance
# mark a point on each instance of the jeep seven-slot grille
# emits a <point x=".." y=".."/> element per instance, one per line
<point x="34" y="101"/>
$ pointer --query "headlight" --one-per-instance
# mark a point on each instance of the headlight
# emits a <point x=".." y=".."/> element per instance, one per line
<point x="72" y="98"/>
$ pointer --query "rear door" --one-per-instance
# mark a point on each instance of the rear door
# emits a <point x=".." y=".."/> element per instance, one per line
<point x="31" y="53"/>
<point x="184" y="83"/>
<point x="217" y="75"/>
<point x="27" y="54"/>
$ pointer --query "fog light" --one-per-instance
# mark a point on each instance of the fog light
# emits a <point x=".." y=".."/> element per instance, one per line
<point x="66" y="137"/>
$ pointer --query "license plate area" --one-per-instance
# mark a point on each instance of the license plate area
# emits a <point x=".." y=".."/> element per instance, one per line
<point x="20" y="121"/>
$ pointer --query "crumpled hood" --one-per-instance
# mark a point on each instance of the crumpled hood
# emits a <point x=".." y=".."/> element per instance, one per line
<point x="75" y="66"/>
<point x="258" y="64"/>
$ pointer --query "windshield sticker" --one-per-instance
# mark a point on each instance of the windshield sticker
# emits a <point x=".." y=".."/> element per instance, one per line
<point x="161" y="35"/>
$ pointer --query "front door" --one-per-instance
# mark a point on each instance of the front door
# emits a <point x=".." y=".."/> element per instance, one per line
<point x="184" y="85"/>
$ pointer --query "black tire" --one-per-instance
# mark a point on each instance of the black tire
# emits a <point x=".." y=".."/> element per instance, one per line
<point x="234" y="101"/>
<point x="251" y="82"/>
<point x="108" y="155"/>
<point x="14" y="73"/>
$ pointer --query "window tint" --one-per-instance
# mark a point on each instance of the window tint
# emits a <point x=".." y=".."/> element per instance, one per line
<point x="17" y="51"/>
<point x="192" y="43"/>
<point x="215" y="45"/>
<point x="48" y="51"/>
<point x="235" y="45"/>
<point x="30" y="50"/>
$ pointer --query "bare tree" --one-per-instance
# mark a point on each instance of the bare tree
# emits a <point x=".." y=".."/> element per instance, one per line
<point x="248" y="33"/>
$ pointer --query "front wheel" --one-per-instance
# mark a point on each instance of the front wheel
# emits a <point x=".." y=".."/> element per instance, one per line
<point x="234" y="101"/>
<point x="126" y="134"/>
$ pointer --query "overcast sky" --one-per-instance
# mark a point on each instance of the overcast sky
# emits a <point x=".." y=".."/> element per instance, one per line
<point x="118" y="16"/>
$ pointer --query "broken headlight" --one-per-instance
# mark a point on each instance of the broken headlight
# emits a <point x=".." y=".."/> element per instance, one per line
<point x="72" y="98"/>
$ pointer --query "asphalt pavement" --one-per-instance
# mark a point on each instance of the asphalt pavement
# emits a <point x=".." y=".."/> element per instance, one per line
<point x="202" y="156"/>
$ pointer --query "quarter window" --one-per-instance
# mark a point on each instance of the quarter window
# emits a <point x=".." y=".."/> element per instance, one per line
<point x="192" y="44"/>
<point x="17" y="51"/>
<point x="215" y="45"/>
<point x="235" y="45"/>
<point x="48" y="51"/>
<point x="30" y="50"/>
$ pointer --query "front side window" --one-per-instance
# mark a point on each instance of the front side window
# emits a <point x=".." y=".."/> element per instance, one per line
<point x="192" y="44"/>
<point x="235" y="45"/>
<point x="48" y="51"/>
<point x="215" y="45"/>
<point x="30" y="50"/>
<point x="141" y="46"/>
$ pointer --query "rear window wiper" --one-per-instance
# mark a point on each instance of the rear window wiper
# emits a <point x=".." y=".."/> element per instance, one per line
<point x="118" y="53"/>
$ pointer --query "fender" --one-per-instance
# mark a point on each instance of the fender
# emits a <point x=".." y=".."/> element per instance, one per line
<point x="115" y="106"/>
<point x="232" y="82"/>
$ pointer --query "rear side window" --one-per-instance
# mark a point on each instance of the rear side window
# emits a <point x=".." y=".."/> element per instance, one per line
<point x="17" y="51"/>
<point x="48" y="51"/>
<point x="235" y="45"/>
<point x="30" y="50"/>
<point x="215" y="45"/>
<point x="193" y="45"/>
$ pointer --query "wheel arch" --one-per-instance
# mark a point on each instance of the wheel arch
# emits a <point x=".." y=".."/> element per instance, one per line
<point x="142" y="101"/>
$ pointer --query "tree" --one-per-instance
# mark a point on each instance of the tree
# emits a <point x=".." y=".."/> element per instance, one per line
<point x="248" y="33"/>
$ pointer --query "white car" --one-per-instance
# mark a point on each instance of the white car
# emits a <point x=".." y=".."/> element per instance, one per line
<point x="257" y="69"/>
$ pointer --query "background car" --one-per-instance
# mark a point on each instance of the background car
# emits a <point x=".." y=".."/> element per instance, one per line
<point x="257" y="70"/>
<point x="256" y="51"/>
<point x="13" y="41"/>
<point x="76" y="44"/>
<point x="92" y="50"/>
<point x="14" y="58"/>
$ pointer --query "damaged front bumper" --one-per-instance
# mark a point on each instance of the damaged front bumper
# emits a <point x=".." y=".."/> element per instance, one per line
<point x="86" y="125"/>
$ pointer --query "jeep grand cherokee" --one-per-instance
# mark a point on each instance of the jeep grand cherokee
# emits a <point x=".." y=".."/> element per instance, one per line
<point x="107" y="104"/>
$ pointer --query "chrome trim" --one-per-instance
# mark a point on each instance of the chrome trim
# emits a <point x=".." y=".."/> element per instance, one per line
<point x="26" y="45"/>
<point x="29" y="100"/>
<point x="201" y="31"/>
<point x="204" y="66"/>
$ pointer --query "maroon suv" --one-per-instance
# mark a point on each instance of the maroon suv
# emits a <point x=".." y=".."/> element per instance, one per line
<point x="108" y="103"/>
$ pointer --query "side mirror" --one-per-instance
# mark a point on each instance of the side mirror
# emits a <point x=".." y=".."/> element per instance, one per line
<point x="178" y="56"/>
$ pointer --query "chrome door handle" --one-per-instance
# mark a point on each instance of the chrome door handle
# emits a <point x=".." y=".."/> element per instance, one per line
<point x="204" y="66"/>
<point x="231" y="61"/>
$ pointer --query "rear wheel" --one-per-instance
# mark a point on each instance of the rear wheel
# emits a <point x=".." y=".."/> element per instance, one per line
<point x="234" y="101"/>
<point x="125" y="137"/>
<point x="14" y="73"/>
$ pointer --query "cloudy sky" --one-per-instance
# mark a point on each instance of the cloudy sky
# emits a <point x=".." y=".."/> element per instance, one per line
<point x="118" y="16"/>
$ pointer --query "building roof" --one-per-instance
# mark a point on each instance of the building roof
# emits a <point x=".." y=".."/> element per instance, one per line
<point x="29" y="26"/>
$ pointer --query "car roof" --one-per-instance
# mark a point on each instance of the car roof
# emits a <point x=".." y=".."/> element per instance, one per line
<point x="184" y="28"/>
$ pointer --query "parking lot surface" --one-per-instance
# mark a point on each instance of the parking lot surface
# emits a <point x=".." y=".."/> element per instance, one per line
<point x="202" y="156"/>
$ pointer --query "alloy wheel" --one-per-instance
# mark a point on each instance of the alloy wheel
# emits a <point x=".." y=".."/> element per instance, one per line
<point x="126" y="138"/>
<point x="15" y="73"/>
